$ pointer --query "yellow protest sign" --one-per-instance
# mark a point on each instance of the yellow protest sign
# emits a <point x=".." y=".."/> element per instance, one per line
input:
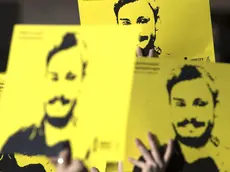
<point x="17" y="162"/>
<point x="68" y="82"/>
<point x="2" y="83"/>
<point x="173" y="29"/>
<point x="184" y="101"/>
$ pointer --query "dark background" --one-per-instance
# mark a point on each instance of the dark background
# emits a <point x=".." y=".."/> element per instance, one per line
<point x="32" y="12"/>
<point x="9" y="15"/>
<point x="220" y="12"/>
<point x="65" y="12"/>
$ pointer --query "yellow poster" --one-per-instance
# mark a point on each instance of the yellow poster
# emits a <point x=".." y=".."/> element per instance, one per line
<point x="170" y="29"/>
<point x="2" y="82"/>
<point x="22" y="163"/>
<point x="184" y="101"/>
<point x="68" y="82"/>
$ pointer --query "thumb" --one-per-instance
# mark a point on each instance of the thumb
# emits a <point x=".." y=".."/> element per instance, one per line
<point x="151" y="53"/>
<point x="94" y="169"/>
<point x="53" y="160"/>
<point x="120" y="166"/>
<point x="62" y="159"/>
<point x="139" y="52"/>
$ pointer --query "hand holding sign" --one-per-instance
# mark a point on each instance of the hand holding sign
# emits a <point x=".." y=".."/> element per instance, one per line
<point x="152" y="159"/>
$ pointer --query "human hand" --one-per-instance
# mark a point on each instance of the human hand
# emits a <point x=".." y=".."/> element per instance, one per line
<point x="64" y="163"/>
<point x="153" y="160"/>
<point x="139" y="52"/>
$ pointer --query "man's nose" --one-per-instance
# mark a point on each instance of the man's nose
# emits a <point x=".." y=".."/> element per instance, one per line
<point x="190" y="112"/>
<point x="60" y="88"/>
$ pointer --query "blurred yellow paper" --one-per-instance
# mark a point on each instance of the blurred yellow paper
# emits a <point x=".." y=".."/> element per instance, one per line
<point x="64" y="84"/>
<point x="185" y="101"/>
<point x="173" y="29"/>
<point x="18" y="162"/>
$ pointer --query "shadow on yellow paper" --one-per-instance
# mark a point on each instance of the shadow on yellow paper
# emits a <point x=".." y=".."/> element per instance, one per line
<point x="173" y="29"/>
<point x="184" y="101"/>
<point x="63" y="82"/>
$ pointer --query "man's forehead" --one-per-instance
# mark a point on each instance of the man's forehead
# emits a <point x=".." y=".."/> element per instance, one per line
<point x="191" y="88"/>
<point x="66" y="59"/>
<point x="137" y="8"/>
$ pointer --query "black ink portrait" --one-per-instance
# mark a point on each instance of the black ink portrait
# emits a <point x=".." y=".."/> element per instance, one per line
<point x="8" y="163"/>
<point x="192" y="114"/>
<point x="140" y="12"/>
<point x="192" y="99"/>
<point x="65" y="72"/>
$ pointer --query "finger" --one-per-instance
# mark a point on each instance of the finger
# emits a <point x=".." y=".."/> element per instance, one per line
<point x="154" y="150"/>
<point x="76" y="166"/>
<point x="53" y="160"/>
<point x="137" y="163"/>
<point x="139" y="52"/>
<point x="144" y="151"/>
<point x="120" y="166"/>
<point x="94" y="169"/>
<point x="151" y="52"/>
<point x="62" y="159"/>
<point x="168" y="152"/>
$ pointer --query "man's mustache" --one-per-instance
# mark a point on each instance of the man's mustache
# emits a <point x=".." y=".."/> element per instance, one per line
<point x="62" y="99"/>
<point x="143" y="38"/>
<point x="193" y="121"/>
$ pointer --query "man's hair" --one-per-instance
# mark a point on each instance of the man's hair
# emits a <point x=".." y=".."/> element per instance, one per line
<point x="69" y="41"/>
<point x="121" y="3"/>
<point x="191" y="72"/>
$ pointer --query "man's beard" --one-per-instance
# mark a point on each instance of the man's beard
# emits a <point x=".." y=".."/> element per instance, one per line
<point x="60" y="122"/>
<point x="194" y="142"/>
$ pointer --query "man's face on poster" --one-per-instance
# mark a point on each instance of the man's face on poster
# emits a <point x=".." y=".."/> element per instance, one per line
<point x="64" y="76"/>
<point x="192" y="111"/>
<point x="139" y="12"/>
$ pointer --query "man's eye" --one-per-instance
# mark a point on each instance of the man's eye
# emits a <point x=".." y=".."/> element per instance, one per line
<point x="142" y="20"/>
<point x="180" y="104"/>
<point x="70" y="77"/>
<point x="126" y="23"/>
<point x="199" y="102"/>
<point x="54" y="79"/>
